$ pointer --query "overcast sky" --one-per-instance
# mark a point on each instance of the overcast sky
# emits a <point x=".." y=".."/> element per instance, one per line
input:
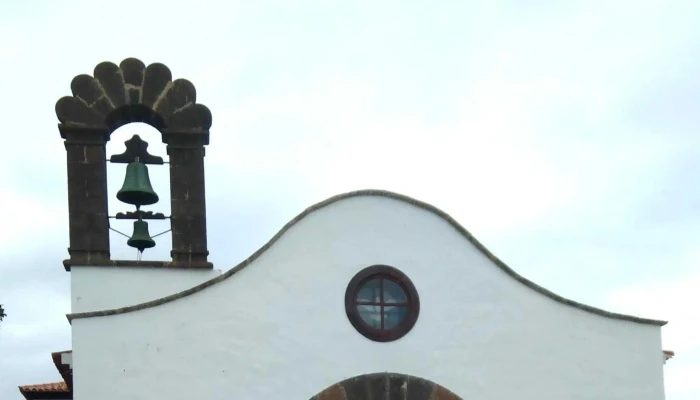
<point x="564" y="135"/>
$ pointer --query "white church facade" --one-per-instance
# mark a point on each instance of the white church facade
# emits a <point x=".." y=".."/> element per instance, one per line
<point x="367" y="295"/>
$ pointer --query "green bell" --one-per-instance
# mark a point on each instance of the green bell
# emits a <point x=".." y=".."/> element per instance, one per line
<point x="141" y="239"/>
<point x="137" y="189"/>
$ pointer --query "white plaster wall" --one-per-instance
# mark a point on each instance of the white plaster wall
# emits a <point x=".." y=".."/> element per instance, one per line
<point x="103" y="288"/>
<point x="278" y="329"/>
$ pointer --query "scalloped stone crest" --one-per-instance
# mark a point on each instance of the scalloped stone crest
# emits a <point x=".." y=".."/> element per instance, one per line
<point x="131" y="92"/>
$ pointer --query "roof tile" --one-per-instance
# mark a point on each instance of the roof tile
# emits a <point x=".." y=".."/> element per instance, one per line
<point x="45" y="387"/>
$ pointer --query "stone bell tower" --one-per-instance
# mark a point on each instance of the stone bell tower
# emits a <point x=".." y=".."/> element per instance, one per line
<point x="115" y="96"/>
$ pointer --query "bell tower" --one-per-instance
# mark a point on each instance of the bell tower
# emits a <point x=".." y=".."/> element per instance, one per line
<point x="116" y="95"/>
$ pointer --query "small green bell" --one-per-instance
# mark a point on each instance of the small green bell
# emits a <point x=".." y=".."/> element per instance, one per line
<point x="141" y="239"/>
<point x="137" y="189"/>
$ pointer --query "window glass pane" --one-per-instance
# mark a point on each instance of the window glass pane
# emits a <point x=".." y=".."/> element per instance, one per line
<point x="394" y="315"/>
<point x="393" y="293"/>
<point x="372" y="315"/>
<point x="369" y="291"/>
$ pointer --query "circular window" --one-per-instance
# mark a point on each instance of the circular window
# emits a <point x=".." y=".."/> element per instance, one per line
<point x="382" y="303"/>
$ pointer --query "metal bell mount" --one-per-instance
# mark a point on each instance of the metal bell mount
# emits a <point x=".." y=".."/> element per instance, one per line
<point x="137" y="191"/>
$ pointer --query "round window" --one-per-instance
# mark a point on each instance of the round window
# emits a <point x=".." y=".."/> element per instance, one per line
<point x="382" y="303"/>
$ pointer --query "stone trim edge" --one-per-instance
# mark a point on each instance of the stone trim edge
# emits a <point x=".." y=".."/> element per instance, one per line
<point x="360" y="193"/>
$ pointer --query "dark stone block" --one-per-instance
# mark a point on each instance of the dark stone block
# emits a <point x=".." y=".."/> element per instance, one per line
<point x="334" y="392"/>
<point x="87" y="193"/>
<point x="180" y="206"/>
<point x="83" y="154"/>
<point x="194" y="117"/>
<point x="133" y="113"/>
<point x="189" y="259"/>
<point x="82" y="205"/>
<point x="70" y="110"/>
<point x="156" y="80"/>
<point x="88" y="232"/>
<point x="133" y="73"/>
<point x="198" y="233"/>
<point x="103" y="106"/>
<point x="97" y="196"/>
<point x="88" y="90"/>
<point x="418" y="389"/>
<point x="191" y="142"/>
<point x="85" y="172"/>
<point x="85" y="87"/>
<point x="367" y="387"/>
<point x="89" y="196"/>
<point x="110" y="78"/>
<point x="84" y="135"/>
<point x="83" y="178"/>
<point x="133" y="96"/>
<point x="189" y="234"/>
<point x="386" y="386"/>
<point x="161" y="102"/>
<point x="182" y="93"/>
<point x="398" y="387"/>
<point x="86" y="257"/>
<point x="185" y="150"/>
<point x="197" y="196"/>
<point x="95" y="154"/>
<point x="440" y="393"/>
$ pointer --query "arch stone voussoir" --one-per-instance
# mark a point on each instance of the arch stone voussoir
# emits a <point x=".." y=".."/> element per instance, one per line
<point x="116" y="95"/>
<point x="387" y="386"/>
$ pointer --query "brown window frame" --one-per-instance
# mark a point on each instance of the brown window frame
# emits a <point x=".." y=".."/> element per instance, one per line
<point x="412" y="303"/>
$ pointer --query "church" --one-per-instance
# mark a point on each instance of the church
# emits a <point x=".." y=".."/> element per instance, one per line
<point x="366" y="295"/>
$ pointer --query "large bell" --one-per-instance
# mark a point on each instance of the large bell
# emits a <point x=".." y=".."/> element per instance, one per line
<point x="137" y="189"/>
<point x="141" y="239"/>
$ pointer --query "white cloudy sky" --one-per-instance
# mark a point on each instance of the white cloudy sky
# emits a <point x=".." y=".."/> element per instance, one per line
<point x="564" y="135"/>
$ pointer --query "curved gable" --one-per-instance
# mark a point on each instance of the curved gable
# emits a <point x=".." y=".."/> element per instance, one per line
<point x="427" y="207"/>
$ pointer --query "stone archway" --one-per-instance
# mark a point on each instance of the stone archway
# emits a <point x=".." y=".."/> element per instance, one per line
<point x="386" y="386"/>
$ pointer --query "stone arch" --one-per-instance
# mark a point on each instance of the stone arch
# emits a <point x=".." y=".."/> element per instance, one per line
<point x="131" y="92"/>
<point x="386" y="386"/>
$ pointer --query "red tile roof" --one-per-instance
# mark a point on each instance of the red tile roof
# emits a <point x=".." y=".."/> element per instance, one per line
<point x="54" y="390"/>
<point x="668" y="354"/>
<point x="63" y="369"/>
<point x="45" y="387"/>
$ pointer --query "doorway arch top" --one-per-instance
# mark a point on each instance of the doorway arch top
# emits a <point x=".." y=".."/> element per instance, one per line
<point x="132" y="92"/>
<point x="386" y="385"/>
